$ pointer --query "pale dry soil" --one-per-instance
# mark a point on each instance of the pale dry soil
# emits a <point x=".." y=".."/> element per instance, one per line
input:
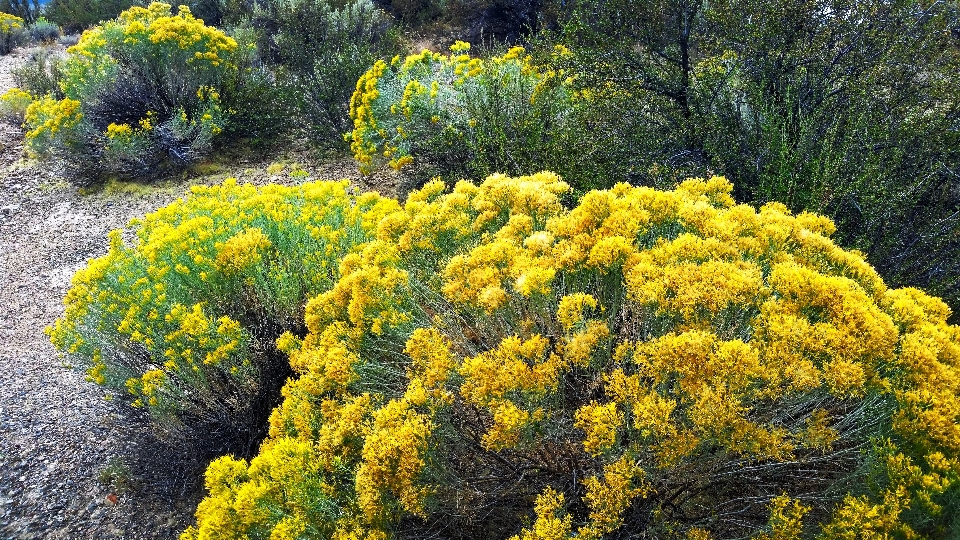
<point x="60" y="437"/>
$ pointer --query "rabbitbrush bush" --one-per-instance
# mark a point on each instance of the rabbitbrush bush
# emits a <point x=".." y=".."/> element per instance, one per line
<point x="465" y="116"/>
<point x="13" y="105"/>
<point x="11" y="32"/>
<point x="143" y="93"/>
<point x="184" y="320"/>
<point x="650" y="363"/>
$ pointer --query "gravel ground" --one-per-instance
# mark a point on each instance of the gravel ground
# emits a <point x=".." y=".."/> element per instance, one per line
<point x="74" y="464"/>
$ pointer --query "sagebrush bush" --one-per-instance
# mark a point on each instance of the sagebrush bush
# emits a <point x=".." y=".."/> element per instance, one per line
<point x="183" y="321"/>
<point x="260" y="112"/>
<point x="320" y="49"/>
<point x="11" y="32"/>
<point x="44" y="31"/>
<point x="40" y="75"/>
<point x="464" y="116"/>
<point x="649" y="363"/>
<point x="144" y="93"/>
<point x="69" y="40"/>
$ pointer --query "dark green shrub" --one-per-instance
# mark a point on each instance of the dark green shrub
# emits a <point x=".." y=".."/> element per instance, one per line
<point x="853" y="118"/>
<point x="417" y="11"/>
<point x="848" y="108"/>
<point x="320" y="49"/>
<point x="481" y="22"/>
<point x="223" y="13"/>
<point x="77" y="15"/>
<point x="499" y="21"/>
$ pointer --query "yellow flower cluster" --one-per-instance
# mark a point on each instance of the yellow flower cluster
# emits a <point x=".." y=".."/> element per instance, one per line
<point x="786" y="519"/>
<point x="607" y="497"/>
<point x="570" y="310"/>
<point x="98" y="367"/>
<point x="481" y="276"/>
<point x="14" y="103"/>
<point x="120" y="139"/>
<point x="600" y="423"/>
<point x="552" y="522"/>
<point x="119" y="131"/>
<point x="431" y="365"/>
<point x="9" y="23"/>
<point x="279" y="479"/>
<point x="147" y="388"/>
<point x="392" y="460"/>
<point x="361" y="111"/>
<point x="49" y="119"/>
<point x="504" y="380"/>
<point x="678" y="332"/>
<point x="242" y="250"/>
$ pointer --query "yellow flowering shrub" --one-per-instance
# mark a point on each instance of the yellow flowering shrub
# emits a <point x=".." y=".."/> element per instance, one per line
<point x="10" y="22"/>
<point x="14" y="104"/>
<point x="184" y="319"/>
<point x="10" y="26"/>
<point x="51" y="122"/>
<point x="146" y="88"/>
<point x="666" y="363"/>
<point x="461" y="115"/>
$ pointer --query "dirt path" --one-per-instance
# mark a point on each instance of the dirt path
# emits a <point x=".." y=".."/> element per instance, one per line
<point x="57" y="432"/>
<point x="66" y="451"/>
